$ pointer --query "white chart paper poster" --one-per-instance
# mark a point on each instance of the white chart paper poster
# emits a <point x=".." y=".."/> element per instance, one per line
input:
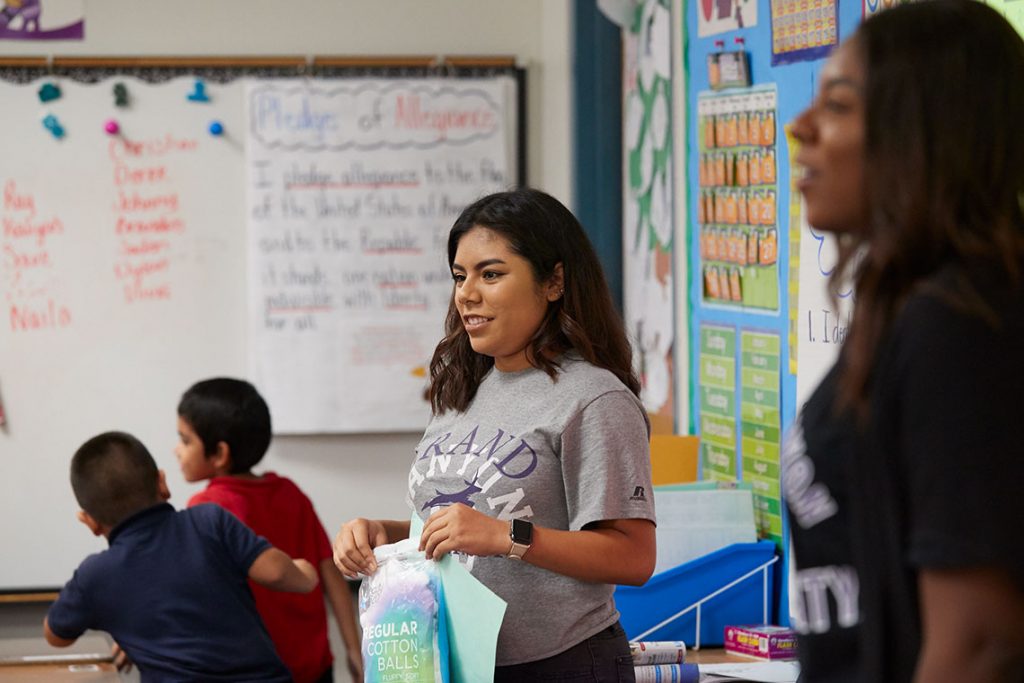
<point x="353" y="185"/>
<point x="821" y="327"/>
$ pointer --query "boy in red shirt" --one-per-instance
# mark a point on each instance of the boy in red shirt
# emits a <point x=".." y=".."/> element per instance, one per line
<point x="224" y="431"/>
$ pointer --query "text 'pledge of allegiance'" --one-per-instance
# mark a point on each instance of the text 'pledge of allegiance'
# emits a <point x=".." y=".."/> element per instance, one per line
<point x="369" y="115"/>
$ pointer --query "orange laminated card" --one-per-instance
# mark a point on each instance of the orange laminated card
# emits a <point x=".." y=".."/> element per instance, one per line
<point x="752" y="247"/>
<point x="768" y="208"/>
<point x="730" y="130"/>
<point x="755" y="168"/>
<point x="768" y="248"/>
<point x="768" y="166"/>
<point x="711" y="282"/>
<point x="720" y="130"/>
<point x="734" y="284"/>
<point x="709" y="131"/>
<point x="754" y="207"/>
<point x="754" y="128"/>
<point x="731" y="211"/>
<point x="711" y="244"/>
<point x="768" y="129"/>
<point x="742" y="178"/>
<point x="723" y="282"/>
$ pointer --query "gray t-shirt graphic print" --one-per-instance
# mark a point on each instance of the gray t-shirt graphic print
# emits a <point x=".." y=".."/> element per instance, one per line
<point x="561" y="454"/>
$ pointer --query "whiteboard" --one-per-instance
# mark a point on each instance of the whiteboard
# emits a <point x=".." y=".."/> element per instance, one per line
<point x="122" y="277"/>
<point x="124" y="273"/>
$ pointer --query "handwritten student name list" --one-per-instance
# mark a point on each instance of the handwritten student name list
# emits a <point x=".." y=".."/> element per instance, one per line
<point x="353" y="186"/>
<point x="147" y="213"/>
<point x="146" y="222"/>
<point x="30" y="264"/>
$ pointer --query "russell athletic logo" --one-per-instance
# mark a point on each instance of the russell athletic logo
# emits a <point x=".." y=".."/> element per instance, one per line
<point x="638" y="494"/>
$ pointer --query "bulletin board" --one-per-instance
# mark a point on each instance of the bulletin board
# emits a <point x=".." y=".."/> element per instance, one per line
<point x="758" y="271"/>
<point x="757" y="359"/>
<point x="757" y="291"/>
<point x="135" y="262"/>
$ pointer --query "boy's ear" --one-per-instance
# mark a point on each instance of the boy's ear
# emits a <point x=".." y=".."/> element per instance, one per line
<point x="162" y="489"/>
<point x="88" y="520"/>
<point x="221" y="457"/>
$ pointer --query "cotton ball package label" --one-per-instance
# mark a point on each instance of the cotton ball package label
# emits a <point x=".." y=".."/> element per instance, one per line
<point x="401" y="612"/>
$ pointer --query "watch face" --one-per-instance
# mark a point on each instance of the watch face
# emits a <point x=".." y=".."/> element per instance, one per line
<point x="522" y="531"/>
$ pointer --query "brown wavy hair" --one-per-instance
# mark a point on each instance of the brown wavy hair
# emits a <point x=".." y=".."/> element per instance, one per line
<point x="944" y="153"/>
<point x="584" y="319"/>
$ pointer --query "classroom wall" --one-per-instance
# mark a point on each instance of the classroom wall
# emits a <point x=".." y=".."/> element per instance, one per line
<point x="352" y="475"/>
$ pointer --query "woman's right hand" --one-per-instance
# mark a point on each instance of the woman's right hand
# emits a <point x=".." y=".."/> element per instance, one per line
<point x="354" y="544"/>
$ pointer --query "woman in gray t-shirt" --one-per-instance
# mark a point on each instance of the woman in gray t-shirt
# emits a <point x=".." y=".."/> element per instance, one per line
<point x="535" y="466"/>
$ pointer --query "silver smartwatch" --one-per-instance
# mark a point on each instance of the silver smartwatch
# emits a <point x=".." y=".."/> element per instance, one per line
<point x="521" y="533"/>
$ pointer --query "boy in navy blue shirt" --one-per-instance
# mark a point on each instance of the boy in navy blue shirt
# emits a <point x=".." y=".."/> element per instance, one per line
<point x="172" y="587"/>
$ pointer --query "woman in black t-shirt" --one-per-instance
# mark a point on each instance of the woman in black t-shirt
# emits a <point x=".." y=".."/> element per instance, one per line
<point x="903" y="470"/>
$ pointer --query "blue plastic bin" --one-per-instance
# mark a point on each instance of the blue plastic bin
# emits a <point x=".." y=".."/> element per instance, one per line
<point x="673" y="591"/>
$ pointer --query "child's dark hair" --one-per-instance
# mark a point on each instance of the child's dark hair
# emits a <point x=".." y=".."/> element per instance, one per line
<point x="232" y="411"/>
<point x="113" y="477"/>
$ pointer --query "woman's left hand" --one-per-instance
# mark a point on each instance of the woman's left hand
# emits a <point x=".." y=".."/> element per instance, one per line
<point x="459" y="527"/>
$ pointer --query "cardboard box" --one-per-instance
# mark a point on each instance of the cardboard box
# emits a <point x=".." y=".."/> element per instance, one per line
<point x="700" y="518"/>
<point x="761" y="641"/>
<point x="674" y="458"/>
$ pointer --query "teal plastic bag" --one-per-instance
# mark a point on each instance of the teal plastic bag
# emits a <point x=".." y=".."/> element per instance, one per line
<point x="401" y="610"/>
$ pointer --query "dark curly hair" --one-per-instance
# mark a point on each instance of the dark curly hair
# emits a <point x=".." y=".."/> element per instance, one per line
<point x="545" y="233"/>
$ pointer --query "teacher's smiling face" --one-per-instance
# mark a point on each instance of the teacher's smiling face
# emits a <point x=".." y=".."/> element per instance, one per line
<point x="498" y="297"/>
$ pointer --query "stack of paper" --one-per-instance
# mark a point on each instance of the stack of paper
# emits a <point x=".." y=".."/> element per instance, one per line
<point x="696" y="519"/>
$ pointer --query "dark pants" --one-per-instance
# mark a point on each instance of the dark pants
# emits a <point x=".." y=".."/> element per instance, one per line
<point x="601" y="658"/>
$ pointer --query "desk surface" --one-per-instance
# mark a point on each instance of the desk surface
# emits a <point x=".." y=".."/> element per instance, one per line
<point x="92" y="648"/>
<point x="33" y="659"/>
<point x="59" y="673"/>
